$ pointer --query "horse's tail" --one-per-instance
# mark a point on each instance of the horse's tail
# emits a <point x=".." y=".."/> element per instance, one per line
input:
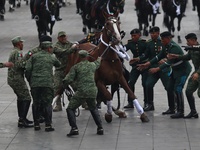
<point x="166" y="21"/>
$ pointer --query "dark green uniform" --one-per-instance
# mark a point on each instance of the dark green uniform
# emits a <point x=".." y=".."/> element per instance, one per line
<point x="192" y="85"/>
<point x="178" y="75"/>
<point x="39" y="73"/>
<point x="153" y="49"/>
<point x="137" y="49"/>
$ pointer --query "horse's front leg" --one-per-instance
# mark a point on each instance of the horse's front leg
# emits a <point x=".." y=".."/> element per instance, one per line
<point x="108" y="97"/>
<point x="140" y="110"/>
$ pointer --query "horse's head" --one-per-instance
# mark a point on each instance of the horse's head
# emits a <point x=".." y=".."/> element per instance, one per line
<point x="117" y="6"/>
<point x="112" y="30"/>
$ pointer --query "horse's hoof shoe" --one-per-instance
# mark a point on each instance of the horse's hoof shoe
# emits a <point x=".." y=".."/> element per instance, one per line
<point x="108" y="118"/>
<point x="144" y="118"/>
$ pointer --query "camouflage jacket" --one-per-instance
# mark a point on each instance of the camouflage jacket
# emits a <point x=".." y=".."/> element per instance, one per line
<point x="62" y="51"/>
<point x="31" y="52"/>
<point x="16" y="73"/>
<point x="82" y="75"/>
<point x="39" y="69"/>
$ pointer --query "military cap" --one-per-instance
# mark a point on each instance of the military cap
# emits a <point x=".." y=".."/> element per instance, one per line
<point x="44" y="38"/>
<point x="17" y="39"/>
<point x="165" y="34"/>
<point x="191" y="36"/>
<point x="135" y="31"/>
<point x="83" y="53"/>
<point x="154" y="29"/>
<point x="46" y="44"/>
<point x="62" y="33"/>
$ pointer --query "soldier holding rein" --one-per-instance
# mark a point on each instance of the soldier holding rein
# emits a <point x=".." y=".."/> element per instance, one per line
<point x="194" y="81"/>
<point x="6" y="64"/>
<point x="137" y="46"/>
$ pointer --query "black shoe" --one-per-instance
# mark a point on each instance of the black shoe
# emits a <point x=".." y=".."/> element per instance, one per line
<point x="23" y="124"/>
<point x="158" y="12"/>
<point x="41" y="119"/>
<point x="73" y="132"/>
<point x="149" y="107"/>
<point x="28" y="121"/>
<point x="11" y="9"/>
<point x="77" y="11"/>
<point x="193" y="9"/>
<point x="167" y="112"/>
<point x="2" y="17"/>
<point x="192" y="114"/>
<point x="177" y="115"/>
<point x="49" y="128"/>
<point x="58" y="19"/>
<point x="100" y="131"/>
<point x="37" y="127"/>
<point x="129" y="106"/>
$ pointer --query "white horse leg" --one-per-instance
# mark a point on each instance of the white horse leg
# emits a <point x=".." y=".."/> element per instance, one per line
<point x="138" y="106"/>
<point x="109" y="107"/>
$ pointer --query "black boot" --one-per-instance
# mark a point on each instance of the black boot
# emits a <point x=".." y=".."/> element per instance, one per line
<point x="23" y="107"/>
<point x="150" y="105"/>
<point x="180" y="106"/>
<point x="191" y="101"/>
<point x="97" y="119"/>
<point x="35" y="111"/>
<point x="48" y="118"/>
<point x="72" y="122"/>
<point x="171" y="103"/>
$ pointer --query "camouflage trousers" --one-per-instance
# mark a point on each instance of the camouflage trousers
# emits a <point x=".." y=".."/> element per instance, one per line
<point x="58" y="77"/>
<point x="76" y="101"/>
<point x="21" y="91"/>
<point x="192" y="86"/>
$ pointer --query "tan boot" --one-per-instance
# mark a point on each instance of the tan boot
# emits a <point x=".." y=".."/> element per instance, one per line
<point x="58" y="106"/>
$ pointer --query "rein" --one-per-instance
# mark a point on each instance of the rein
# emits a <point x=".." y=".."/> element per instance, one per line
<point x="178" y="8"/>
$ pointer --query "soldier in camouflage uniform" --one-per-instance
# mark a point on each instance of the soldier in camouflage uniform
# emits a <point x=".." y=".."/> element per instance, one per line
<point x="179" y="73"/>
<point x="41" y="83"/>
<point x="154" y="46"/>
<point x="62" y="48"/>
<point x="137" y="47"/>
<point x="82" y="74"/>
<point x="194" y="81"/>
<point x="16" y="81"/>
<point x="6" y="64"/>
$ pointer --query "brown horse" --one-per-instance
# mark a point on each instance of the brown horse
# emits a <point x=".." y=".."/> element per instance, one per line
<point x="111" y="69"/>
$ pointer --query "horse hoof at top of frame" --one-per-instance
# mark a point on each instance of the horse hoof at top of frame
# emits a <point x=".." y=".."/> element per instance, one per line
<point x="108" y="117"/>
<point x="144" y="118"/>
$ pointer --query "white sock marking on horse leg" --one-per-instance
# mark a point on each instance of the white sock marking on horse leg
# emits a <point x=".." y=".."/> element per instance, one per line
<point x="109" y="107"/>
<point x="138" y="106"/>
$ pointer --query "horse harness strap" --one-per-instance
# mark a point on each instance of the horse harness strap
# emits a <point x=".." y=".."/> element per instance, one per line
<point x="178" y="8"/>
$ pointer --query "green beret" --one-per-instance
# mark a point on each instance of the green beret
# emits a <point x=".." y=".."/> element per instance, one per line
<point x="135" y="31"/>
<point x="16" y="39"/>
<point x="191" y="36"/>
<point x="83" y="53"/>
<point x="46" y="44"/>
<point x="165" y="34"/>
<point x="62" y="33"/>
<point x="154" y="29"/>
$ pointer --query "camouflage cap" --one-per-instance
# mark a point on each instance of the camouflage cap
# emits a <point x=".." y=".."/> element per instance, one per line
<point x="62" y="33"/>
<point x="165" y="34"/>
<point x="16" y="39"/>
<point x="154" y="29"/>
<point x="135" y="31"/>
<point x="83" y="53"/>
<point x="46" y="44"/>
<point x="191" y="36"/>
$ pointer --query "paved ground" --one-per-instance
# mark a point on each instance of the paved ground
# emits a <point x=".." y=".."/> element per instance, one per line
<point x="161" y="133"/>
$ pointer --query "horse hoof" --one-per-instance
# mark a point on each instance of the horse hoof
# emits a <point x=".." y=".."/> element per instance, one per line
<point x="108" y="118"/>
<point x="144" y="118"/>
<point x="120" y="113"/>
